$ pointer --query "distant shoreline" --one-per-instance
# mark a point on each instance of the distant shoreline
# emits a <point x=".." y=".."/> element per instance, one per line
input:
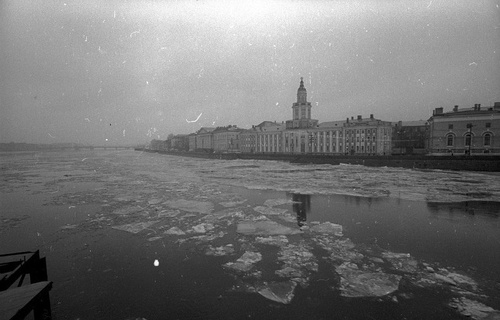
<point x="15" y="146"/>
<point x="456" y="163"/>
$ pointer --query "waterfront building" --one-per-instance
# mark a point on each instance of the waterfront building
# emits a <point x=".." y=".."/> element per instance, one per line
<point x="204" y="140"/>
<point x="410" y="137"/>
<point x="269" y="136"/>
<point x="158" y="145"/>
<point x="327" y="137"/>
<point x="179" y="142"/>
<point x="248" y="140"/>
<point x="368" y="136"/>
<point x="469" y="131"/>
<point x="192" y="141"/>
<point x="226" y="139"/>
<point x="296" y="137"/>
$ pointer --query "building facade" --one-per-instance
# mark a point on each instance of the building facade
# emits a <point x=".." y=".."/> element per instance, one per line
<point x="301" y="135"/>
<point x="466" y="131"/>
<point x="204" y="141"/>
<point x="226" y="139"/>
<point x="179" y="142"/>
<point x="410" y="137"/>
<point x="269" y="136"/>
<point x="248" y="140"/>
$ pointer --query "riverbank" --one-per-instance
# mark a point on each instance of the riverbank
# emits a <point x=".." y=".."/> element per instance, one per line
<point x="132" y="235"/>
<point x="456" y="163"/>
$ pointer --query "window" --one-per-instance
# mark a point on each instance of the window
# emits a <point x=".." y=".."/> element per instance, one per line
<point x="468" y="139"/>
<point x="487" y="139"/>
<point x="449" y="140"/>
<point x="488" y="124"/>
<point x="450" y="127"/>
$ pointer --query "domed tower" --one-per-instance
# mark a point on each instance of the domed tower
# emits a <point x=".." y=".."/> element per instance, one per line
<point x="302" y="92"/>
<point x="301" y="111"/>
<point x="301" y="108"/>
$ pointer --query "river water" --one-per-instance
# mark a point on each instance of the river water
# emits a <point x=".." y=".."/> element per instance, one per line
<point x="133" y="235"/>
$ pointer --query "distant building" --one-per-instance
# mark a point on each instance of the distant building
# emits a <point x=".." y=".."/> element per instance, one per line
<point x="470" y="131"/>
<point x="269" y="136"/>
<point x="158" y="145"/>
<point x="302" y="134"/>
<point x="179" y="142"/>
<point x="204" y="140"/>
<point x="192" y="141"/>
<point x="226" y="139"/>
<point x="410" y="137"/>
<point x="248" y="140"/>
<point x="368" y="136"/>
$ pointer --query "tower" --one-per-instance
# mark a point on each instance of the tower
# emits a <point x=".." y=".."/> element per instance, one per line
<point x="301" y="108"/>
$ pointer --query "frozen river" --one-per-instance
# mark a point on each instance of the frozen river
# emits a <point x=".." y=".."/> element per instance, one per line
<point x="132" y="235"/>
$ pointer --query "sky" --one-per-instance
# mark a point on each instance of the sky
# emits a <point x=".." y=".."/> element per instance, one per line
<point x="125" y="72"/>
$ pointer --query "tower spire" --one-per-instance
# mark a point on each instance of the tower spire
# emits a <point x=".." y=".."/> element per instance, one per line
<point x="301" y="92"/>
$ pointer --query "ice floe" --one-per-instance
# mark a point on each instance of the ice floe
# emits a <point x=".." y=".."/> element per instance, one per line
<point x="245" y="262"/>
<point x="356" y="284"/>
<point x="191" y="205"/>
<point x="279" y="291"/>
<point x="474" y="309"/>
<point x="175" y="231"/>
<point x="328" y="227"/>
<point x="269" y="210"/>
<point x="266" y="227"/>
<point x="135" y="227"/>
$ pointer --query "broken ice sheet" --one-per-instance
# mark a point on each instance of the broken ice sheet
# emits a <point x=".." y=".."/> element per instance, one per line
<point x="265" y="227"/>
<point x="154" y="238"/>
<point x="191" y="205"/>
<point x="298" y="262"/>
<point x="154" y="201"/>
<point x="69" y="226"/>
<point x="279" y="241"/>
<point x="245" y="262"/>
<point x="279" y="291"/>
<point x="219" y="251"/>
<point x="401" y="261"/>
<point x="278" y="202"/>
<point x="356" y="284"/>
<point x="175" y="231"/>
<point x="203" y="227"/>
<point x="474" y="309"/>
<point x="328" y="227"/>
<point x="230" y="204"/>
<point x="269" y="210"/>
<point x="135" y="227"/>
<point x="168" y="213"/>
<point x="127" y="210"/>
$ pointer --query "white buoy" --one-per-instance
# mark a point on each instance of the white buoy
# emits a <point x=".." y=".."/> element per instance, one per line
<point x="156" y="263"/>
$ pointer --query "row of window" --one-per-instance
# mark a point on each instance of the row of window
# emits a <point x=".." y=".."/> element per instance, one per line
<point x="450" y="139"/>
<point x="487" y="125"/>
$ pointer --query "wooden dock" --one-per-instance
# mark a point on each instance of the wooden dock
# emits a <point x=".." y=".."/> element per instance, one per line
<point x="18" y="300"/>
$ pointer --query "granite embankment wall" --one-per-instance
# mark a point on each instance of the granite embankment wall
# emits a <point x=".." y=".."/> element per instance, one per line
<point x="474" y="163"/>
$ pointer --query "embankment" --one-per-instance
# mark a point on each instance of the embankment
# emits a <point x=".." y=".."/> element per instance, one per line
<point x="466" y="163"/>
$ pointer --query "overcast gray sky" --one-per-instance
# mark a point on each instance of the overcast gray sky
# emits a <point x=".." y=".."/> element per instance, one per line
<point x="116" y="72"/>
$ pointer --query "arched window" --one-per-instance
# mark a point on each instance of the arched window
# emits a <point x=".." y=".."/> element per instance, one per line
<point x="450" y="140"/>
<point x="487" y="139"/>
<point x="468" y="137"/>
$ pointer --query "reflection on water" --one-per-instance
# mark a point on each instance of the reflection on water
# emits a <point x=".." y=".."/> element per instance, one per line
<point x="489" y="209"/>
<point x="301" y="206"/>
